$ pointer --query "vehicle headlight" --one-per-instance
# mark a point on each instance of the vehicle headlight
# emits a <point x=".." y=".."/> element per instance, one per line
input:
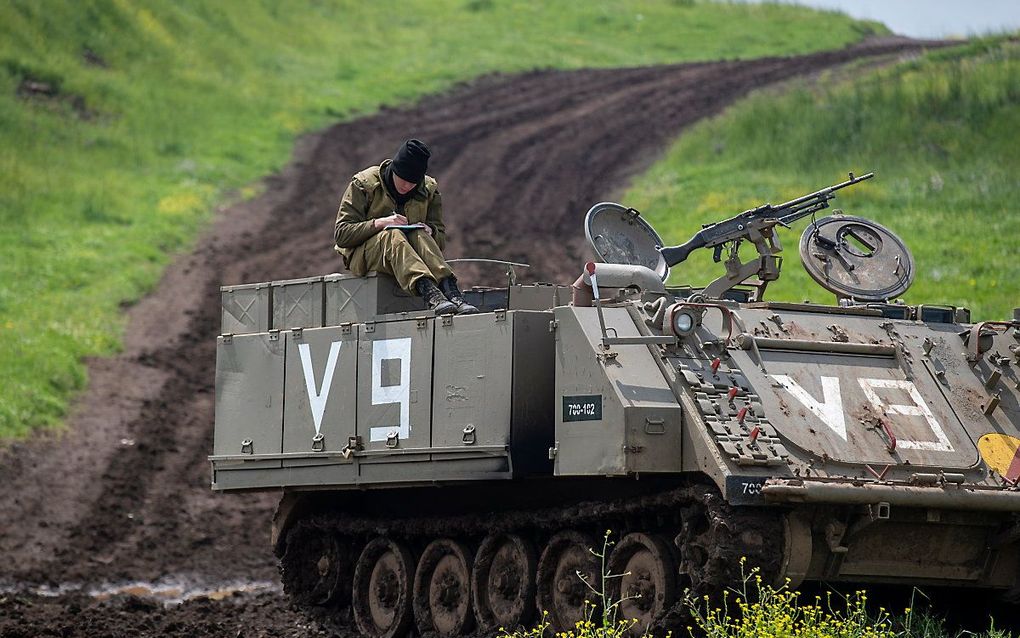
<point x="682" y="321"/>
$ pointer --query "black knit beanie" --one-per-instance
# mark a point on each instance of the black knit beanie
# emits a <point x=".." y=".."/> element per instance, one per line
<point x="411" y="161"/>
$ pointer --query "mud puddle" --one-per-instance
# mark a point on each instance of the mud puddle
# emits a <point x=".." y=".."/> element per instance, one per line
<point x="165" y="592"/>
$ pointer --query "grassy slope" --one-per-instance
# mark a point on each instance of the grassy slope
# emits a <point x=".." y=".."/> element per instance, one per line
<point x="197" y="98"/>
<point x="940" y="133"/>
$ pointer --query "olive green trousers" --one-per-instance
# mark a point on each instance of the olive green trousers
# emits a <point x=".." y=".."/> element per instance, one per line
<point x="406" y="256"/>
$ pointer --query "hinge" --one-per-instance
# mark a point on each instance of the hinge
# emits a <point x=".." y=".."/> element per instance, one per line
<point x="227" y="337"/>
<point x="345" y="328"/>
<point x="369" y="326"/>
<point x="297" y="332"/>
<point x="274" y="335"/>
<point x="553" y="325"/>
<point x="500" y="315"/>
<point x="553" y="450"/>
<point x="422" y="323"/>
<point x="447" y="321"/>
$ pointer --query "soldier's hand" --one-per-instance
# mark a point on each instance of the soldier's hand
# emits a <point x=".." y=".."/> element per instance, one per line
<point x="396" y="219"/>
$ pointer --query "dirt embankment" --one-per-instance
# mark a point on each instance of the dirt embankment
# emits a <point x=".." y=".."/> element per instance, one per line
<point x="124" y="495"/>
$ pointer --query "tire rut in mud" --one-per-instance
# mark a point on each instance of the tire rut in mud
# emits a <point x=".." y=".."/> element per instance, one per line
<point x="123" y="494"/>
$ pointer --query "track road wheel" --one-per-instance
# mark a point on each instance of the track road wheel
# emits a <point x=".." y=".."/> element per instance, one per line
<point x="381" y="597"/>
<point x="561" y="592"/>
<point x="315" y="568"/>
<point x="647" y="587"/>
<point x="503" y="583"/>
<point x="442" y="589"/>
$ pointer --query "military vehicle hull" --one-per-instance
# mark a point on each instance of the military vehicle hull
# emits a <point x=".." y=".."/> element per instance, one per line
<point x="449" y="474"/>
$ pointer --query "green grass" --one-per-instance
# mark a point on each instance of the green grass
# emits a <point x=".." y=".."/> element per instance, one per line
<point x="191" y="101"/>
<point x="941" y="134"/>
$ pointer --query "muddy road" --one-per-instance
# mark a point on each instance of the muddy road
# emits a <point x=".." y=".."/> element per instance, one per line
<point x="103" y="525"/>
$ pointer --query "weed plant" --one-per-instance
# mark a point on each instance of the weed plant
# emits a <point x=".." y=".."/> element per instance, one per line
<point x="754" y="608"/>
<point x="123" y="124"/>
<point x="939" y="132"/>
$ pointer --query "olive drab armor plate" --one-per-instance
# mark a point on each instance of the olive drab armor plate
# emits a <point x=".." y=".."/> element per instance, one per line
<point x="249" y="404"/>
<point x="395" y="389"/>
<point x="322" y="378"/>
<point x="472" y="384"/>
<point x="615" y="419"/>
<point x="853" y="408"/>
<point x="618" y="235"/>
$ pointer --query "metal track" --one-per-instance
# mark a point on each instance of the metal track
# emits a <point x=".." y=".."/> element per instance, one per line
<point x="710" y="538"/>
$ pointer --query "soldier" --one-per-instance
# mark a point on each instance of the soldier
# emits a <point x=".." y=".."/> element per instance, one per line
<point x="372" y="228"/>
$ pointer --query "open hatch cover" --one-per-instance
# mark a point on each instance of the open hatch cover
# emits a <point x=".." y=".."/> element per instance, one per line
<point x="618" y="235"/>
<point x="856" y="258"/>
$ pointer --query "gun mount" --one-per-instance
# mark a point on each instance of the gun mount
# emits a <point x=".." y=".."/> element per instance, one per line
<point x="757" y="226"/>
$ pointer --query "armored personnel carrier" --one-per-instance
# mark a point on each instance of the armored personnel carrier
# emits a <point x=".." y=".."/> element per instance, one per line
<point x="448" y="475"/>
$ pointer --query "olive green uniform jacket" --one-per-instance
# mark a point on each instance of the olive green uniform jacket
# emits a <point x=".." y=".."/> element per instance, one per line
<point x="365" y="249"/>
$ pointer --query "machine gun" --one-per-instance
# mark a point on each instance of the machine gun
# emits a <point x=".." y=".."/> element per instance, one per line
<point x="757" y="226"/>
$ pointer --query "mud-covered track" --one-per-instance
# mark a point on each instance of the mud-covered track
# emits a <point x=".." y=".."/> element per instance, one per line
<point x="698" y="533"/>
<point x="123" y="495"/>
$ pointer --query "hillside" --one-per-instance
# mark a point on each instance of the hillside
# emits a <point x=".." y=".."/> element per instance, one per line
<point x="123" y="125"/>
<point x="940" y="134"/>
<point x="123" y="496"/>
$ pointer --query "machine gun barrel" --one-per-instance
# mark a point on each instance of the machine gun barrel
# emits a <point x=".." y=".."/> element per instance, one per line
<point x="737" y="227"/>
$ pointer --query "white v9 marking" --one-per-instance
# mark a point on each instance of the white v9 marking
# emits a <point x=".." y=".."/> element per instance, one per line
<point x="317" y="398"/>
<point x="830" y="410"/>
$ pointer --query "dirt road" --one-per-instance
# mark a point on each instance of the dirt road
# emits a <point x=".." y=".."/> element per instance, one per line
<point x="124" y="496"/>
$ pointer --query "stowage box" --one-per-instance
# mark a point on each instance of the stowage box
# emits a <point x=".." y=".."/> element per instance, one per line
<point x="298" y="303"/>
<point x="245" y="308"/>
<point x="351" y="299"/>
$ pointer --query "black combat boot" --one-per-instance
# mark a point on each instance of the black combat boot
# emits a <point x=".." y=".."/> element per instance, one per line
<point x="434" y="299"/>
<point x="449" y="288"/>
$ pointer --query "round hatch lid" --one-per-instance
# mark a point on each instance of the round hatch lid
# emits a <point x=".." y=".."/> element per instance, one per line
<point x="618" y="235"/>
<point x="856" y="258"/>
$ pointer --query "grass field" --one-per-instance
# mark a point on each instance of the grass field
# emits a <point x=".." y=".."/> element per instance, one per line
<point x="941" y="134"/>
<point x="122" y="124"/>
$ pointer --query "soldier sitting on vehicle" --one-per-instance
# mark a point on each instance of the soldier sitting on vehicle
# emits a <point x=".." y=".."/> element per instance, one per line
<point x="391" y="221"/>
